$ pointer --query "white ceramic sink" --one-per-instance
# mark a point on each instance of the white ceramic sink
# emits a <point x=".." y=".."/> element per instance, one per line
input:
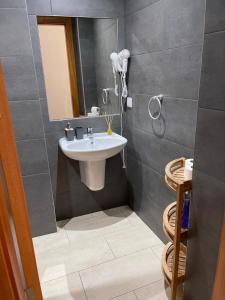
<point x="92" y="156"/>
<point x="103" y="147"/>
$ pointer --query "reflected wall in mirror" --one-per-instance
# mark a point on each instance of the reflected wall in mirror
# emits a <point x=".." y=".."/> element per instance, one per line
<point x="77" y="67"/>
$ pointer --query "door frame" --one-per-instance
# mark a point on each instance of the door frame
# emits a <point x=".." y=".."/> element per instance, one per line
<point x="219" y="284"/>
<point x="16" y="198"/>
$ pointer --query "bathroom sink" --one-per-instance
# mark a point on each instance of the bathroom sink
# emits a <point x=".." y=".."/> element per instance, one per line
<point x="103" y="147"/>
<point x="92" y="156"/>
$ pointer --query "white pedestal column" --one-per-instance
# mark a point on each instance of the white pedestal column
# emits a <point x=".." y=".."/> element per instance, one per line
<point x="93" y="174"/>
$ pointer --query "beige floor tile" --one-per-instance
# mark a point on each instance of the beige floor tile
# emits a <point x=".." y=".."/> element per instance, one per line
<point x="131" y="240"/>
<point x="50" y="241"/>
<point x="155" y="291"/>
<point x="65" y="288"/>
<point x="64" y="260"/>
<point x="83" y="242"/>
<point x="132" y="217"/>
<point x="97" y="225"/>
<point x="158" y="250"/>
<point x="121" y="275"/>
<point x="129" y="296"/>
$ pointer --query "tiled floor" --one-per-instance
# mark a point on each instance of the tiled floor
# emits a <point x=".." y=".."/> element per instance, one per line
<point x="101" y="256"/>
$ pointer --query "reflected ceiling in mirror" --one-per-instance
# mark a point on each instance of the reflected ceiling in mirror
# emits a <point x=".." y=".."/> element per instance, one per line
<point x="77" y="68"/>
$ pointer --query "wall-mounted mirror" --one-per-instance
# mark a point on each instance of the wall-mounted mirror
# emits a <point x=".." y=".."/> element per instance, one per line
<point x="77" y="67"/>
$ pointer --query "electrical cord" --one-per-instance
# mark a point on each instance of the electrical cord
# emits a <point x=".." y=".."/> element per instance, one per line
<point x="122" y="98"/>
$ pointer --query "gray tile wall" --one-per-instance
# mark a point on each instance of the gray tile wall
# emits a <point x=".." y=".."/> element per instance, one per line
<point x="165" y="39"/>
<point x="106" y="42"/>
<point x="17" y="59"/>
<point x="48" y="175"/>
<point x="86" y="49"/>
<point x="88" y="8"/>
<point x="208" y="203"/>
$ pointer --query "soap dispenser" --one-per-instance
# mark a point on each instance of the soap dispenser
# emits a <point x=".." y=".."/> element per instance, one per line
<point x="69" y="132"/>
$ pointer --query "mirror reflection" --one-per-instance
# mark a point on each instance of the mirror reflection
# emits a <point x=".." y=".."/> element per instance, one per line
<point x="77" y="67"/>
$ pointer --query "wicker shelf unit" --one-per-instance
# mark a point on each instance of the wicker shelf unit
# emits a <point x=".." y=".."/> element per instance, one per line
<point x="169" y="223"/>
<point x="168" y="257"/>
<point x="174" y="255"/>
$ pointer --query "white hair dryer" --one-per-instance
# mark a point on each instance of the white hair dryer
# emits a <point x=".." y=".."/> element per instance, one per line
<point x="119" y="64"/>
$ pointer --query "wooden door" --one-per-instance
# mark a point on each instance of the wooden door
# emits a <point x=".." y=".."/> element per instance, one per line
<point x="18" y="271"/>
<point x="219" y="285"/>
<point x="11" y="286"/>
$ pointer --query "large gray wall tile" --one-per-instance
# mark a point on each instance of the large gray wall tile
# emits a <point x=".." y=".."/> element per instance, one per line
<point x="139" y="117"/>
<point x="88" y="8"/>
<point x="215" y="15"/>
<point x="154" y="151"/>
<point x="12" y="4"/>
<point x="176" y="123"/>
<point x="14" y="32"/>
<point x="139" y="37"/>
<point x="144" y="180"/>
<point x="134" y="5"/>
<point x="174" y="73"/>
<point x="144" y="147"/>
<point x="39" y="7"/>
<point x="33" y="156"/>
<point x="40" y="204"/>
<point x="163" y="25"/>
<point x="170" y="151"/>
<point x="20" y="78"/>
<point x="184" y="22"/>
<point x="207" y="211"/>
<point x="212" y="92"/>
<point x="27" y="120"/>
<point x="181" y="69"/>
<point x="210" y="142"/>
<point x="144" y="191"/>
<point x="37" y="55"/>
<point x="180" y="121"/>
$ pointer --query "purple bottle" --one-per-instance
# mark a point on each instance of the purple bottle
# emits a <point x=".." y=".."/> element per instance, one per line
<point x="186" y="207"/>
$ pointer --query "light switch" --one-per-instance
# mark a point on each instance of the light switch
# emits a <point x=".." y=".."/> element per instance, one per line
<point x="129" y="102"/>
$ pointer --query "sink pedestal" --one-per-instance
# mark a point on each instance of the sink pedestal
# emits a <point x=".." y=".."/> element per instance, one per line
<point x="93" y="174"/>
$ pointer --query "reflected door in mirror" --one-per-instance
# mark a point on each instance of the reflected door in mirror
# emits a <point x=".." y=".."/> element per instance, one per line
<point x="58" y="59"/>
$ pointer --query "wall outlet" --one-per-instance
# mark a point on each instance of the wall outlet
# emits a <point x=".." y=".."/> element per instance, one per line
<point x="129" y="102"/>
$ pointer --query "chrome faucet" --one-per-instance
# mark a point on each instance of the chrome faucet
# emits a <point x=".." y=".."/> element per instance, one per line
<point x="90" y="134"/>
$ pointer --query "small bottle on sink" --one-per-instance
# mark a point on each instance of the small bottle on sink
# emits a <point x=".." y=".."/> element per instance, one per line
<point x="69" y="132"/>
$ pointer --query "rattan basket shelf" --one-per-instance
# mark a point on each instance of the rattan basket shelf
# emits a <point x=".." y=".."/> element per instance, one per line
<point x="167" y="263"/>
<point x="169" y="222"/>
<point x="174" y="174"/>
<point x="174" y="255"/>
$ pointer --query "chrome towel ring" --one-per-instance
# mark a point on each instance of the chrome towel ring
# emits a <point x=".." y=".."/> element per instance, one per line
<point x="159" y="100"/>
<point x="105" y="95"/>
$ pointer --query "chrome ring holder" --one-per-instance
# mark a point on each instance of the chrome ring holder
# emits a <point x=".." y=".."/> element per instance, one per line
<point x="159" y="100"/>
